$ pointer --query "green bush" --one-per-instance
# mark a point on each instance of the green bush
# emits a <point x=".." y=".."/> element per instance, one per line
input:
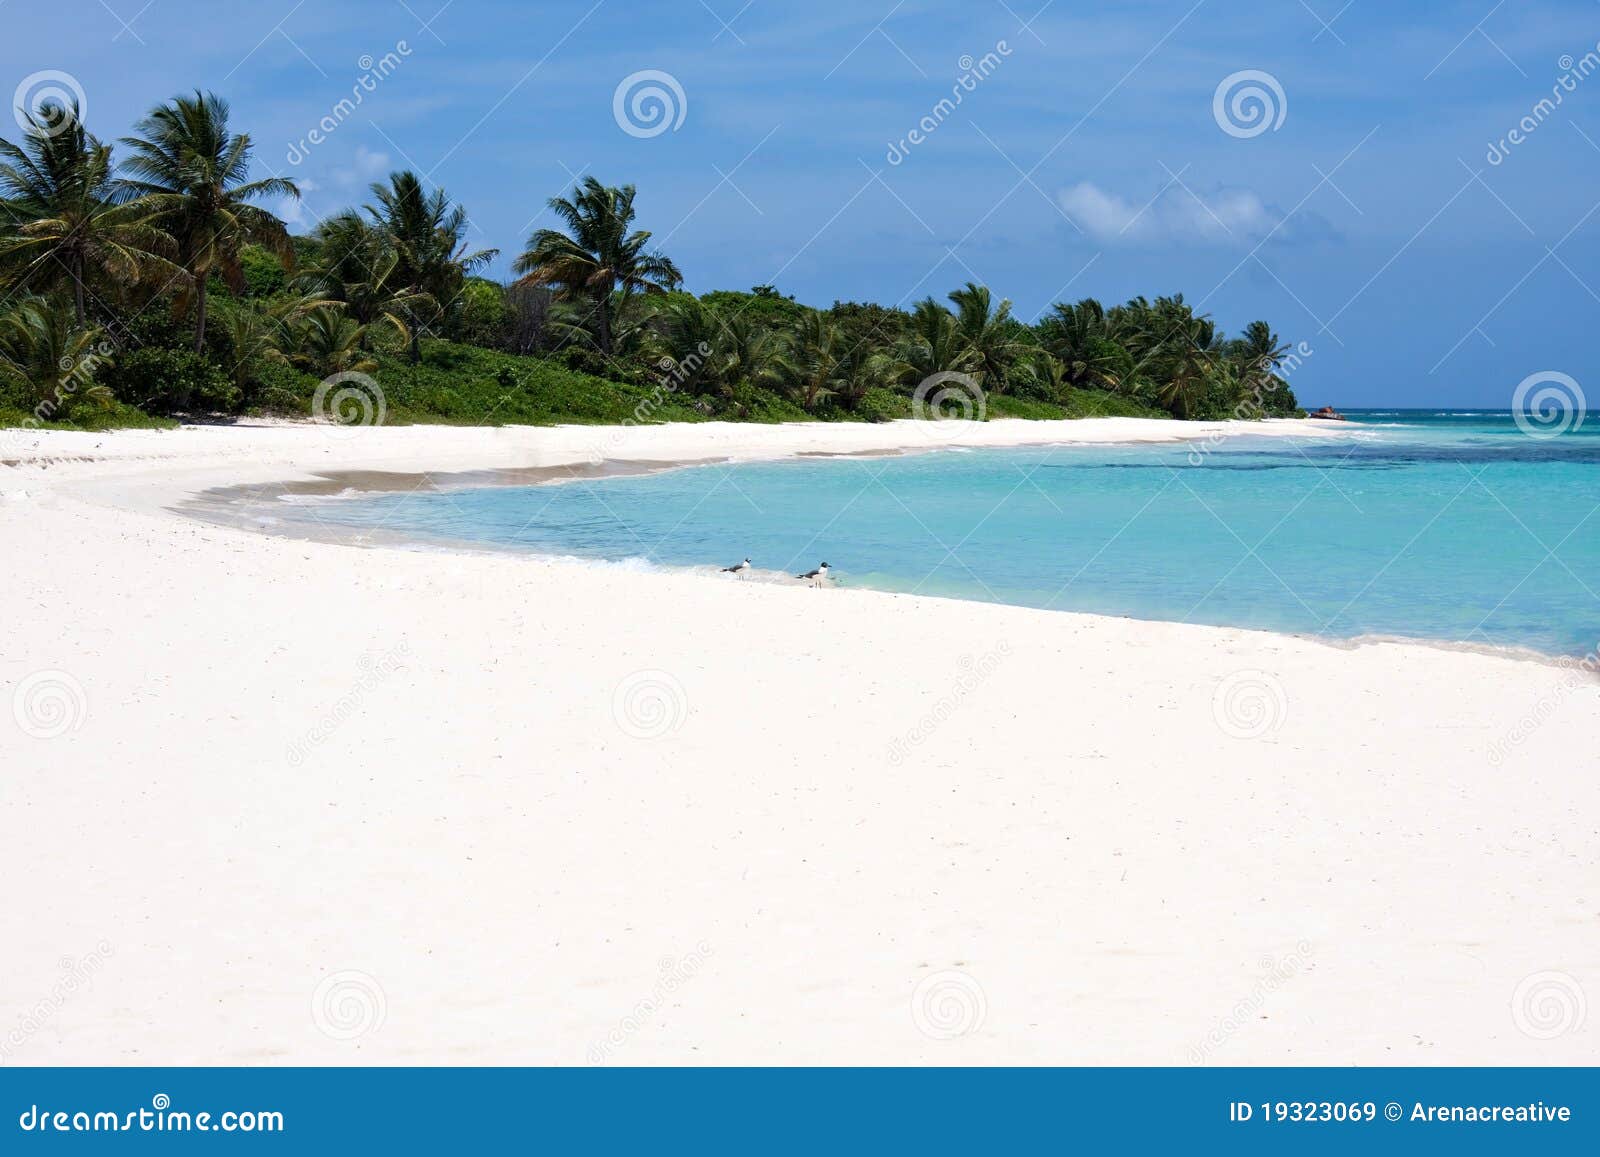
<point x="881" y="405"/>
<point x="1012" y="406"/>
<point x="282" y="389"/>
<point x="484" y="318"/>
<point x="1102" y="404"/>
<point x="750" y="404"/>
<point x="464" y="384"/>
<point x="170" y="381"/>
<point x="90" y="416"/>
<point x="264" y="274"/>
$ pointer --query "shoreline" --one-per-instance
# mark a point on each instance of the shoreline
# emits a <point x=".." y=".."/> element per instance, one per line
<point x="497" y="793"/>
<point x="240" y="506"/>
<point x="246" y="508"/>
<point x="231" y="504"/>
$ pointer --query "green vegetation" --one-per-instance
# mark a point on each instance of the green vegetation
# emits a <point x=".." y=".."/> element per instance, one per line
<point x="159" y="288"/>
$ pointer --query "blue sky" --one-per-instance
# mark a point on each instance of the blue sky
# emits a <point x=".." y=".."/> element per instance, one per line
<point x="1366" y="221"/>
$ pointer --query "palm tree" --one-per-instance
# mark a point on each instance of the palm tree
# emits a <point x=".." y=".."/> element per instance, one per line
<point x="191" y="172"/>
<point x="45" y="352"/>
<point x="262" y="334"/>
<point x="255" y="339"/>
<point x="427" y="234"/>
<point x="814" y="356"/>
<point x="1260" y="353"/>
<point x="57" y="195"/>
<point x="1186" y="363"/>
<point x="1049" y="376"/>
<point x="988" y="331"/>
<point x="859" y="369"/>
<point x="935" y="345"/>
<point x="687" y="334"/>
<point x="752" y="354"/>
<point x="358" y="264"/>
<point x="325" y="341"/>
<point x="1172" y="346"/>
<point x="597" y="257"/>
<point x="1079" y="337"/>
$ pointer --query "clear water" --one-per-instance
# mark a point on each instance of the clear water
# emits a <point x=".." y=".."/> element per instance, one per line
<point x="1430" y="524"/>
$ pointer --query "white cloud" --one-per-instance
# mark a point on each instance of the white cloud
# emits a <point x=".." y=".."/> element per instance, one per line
<point x="366" y="166"/>
<point x="1175" y="214"/>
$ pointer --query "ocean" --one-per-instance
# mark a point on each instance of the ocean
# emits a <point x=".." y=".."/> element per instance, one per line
<point x="1454" y="525"/>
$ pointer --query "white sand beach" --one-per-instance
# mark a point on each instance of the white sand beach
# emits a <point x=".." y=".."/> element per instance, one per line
<point x="289" y="802"/>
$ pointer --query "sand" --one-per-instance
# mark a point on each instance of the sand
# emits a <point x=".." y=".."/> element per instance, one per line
<point x="278" y="801"/>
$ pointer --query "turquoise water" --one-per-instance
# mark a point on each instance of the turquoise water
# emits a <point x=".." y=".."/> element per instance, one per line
<point x="1440" y="525"/>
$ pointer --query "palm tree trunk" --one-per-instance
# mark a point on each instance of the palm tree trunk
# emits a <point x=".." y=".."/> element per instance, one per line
<point x="200" y="315"/>
<point x="77" y="292"/>
<point x="605" y="325"/>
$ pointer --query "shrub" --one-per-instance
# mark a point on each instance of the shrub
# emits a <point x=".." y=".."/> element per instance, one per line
<point x="263" y="272"/>
<point x="484" y="318"/>
<point x="282" y="389"/>
<point x="170" y="381"/>
<point x="881" y="405"/>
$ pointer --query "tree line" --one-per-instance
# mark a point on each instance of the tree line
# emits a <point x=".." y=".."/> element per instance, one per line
<point x="153" y="281"/>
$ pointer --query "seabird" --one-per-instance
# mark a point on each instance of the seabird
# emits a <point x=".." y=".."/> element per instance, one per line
<point x="737" y="568"/>
<point x="817" y="577"/>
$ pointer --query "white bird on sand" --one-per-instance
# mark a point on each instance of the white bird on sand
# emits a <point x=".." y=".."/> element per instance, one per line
<point x="737" y="568"/>
<point x="817" y="577"/>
